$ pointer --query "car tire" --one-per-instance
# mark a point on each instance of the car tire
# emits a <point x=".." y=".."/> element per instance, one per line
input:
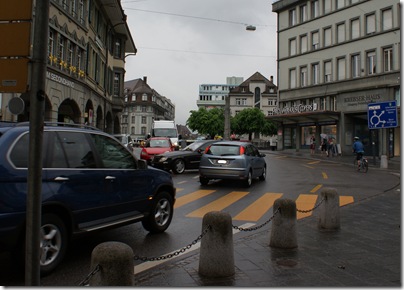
<point x="248" y="181"/>
<point x="203" y="180"/>
<point x="161" y="213"/>
<point x="264" y="174"/>
<point x="179" y="166"/>
<point x="53" y="241"/>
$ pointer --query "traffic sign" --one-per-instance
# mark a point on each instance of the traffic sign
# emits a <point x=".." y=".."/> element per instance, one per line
<point x="382" y="115"/>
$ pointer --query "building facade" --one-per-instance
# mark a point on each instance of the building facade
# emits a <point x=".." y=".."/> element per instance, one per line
<point x="214" y="95"/>
<point x="143" y="105"/>
<point x="334" y="58"/>
<point x="87" y="43"/>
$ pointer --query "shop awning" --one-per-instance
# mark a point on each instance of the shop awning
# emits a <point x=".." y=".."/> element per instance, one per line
<point x="306" y="118"/>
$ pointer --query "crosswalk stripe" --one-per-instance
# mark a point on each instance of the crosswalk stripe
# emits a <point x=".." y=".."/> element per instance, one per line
<point x="218" y="204"/>
<point x="305" y="202"/>
<point x="344" y="200"/>
<point x="325" y="176"/>
<point x="316" y="188"/>
<point x="258" y="208"/>
<point x="180" y="201"/>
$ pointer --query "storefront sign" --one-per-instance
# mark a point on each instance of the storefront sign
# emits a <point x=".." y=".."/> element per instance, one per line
<point x="59" y="79"/>
<point x="295" y="109"/>
<point x="361" y="100"/>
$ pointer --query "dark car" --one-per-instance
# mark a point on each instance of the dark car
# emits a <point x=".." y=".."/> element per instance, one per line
<point x="90" y="181"/>
<point x="232" y="160"/>
<point x="181" y="160"/>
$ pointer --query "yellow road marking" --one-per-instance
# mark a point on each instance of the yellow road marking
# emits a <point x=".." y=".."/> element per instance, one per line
<point x="317" y="187"/>
<point x="344" y="200"/>
<point x="178" y="189"/>
<point x="258" y="208"/>
<point x="180" y="201"/>
<point x="281" y="157"/>
<point x="181" y="182"/>
<point x="305" y="202"/>
<point x="311" y="167"/>
<point x="218" y="204"/>
<point x="314" y="162"/>
<point x="325" y="176"/>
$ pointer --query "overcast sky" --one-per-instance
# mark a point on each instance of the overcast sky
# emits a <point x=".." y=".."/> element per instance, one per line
<point x="184" y="43"/>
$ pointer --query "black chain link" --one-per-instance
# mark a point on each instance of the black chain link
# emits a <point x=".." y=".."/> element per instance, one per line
<point x="309" y="210"/>
<point x="257" y="227"/>
<point x="176" y="253"/>
<point x="86" y="281"/>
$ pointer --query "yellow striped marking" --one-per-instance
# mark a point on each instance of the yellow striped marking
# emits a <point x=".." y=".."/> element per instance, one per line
<point x="314" y="162"/>
<point x="218" y="204"/>
<point x="258" y="208"/>
<point x="305" y="202"/>
<point x="325" y="176"/>
<point x="180" y="201"/>
<point x="316" y="188"/>
<point x="344" y="200"/>
<point x="178" y="189"/>
<point x="181" y="182"/>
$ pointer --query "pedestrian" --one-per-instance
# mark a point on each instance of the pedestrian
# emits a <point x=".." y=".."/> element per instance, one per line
<point x="331" y="147"/>
<point x="358" y="149"/>
<point x="312" y="145"/>
<point x="324" y="146"/>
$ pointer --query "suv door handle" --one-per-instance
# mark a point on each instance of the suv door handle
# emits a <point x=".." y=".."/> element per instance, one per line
<point x="60" y="178"/>
<point x="108" y="177"/>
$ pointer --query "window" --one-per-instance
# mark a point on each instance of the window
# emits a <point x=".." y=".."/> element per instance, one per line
<point x="117" y="84"/>
<point x="73" y="8"/>
<point x="241" y="101"/>
<point x="388" y="59"/>
<point x="314" y="9"/>
<point x="303" y="43"/>
<point x="387" y="19"/>
<point x="323" y="103"/>
<point x="292" y="78"/>
<point x="355" y="65"/>
<point x="315" y="40"/>
<point x="303" y="13"/>
<point x="133" y="118"/>
<point x="132" y="130"/>
<point x="340" y="4"/>
<point x="355" y="32"/>
<point x="118" y="48"/>
<point x="327" y="37"/>
<point x="371" y="62"/>
<point x="341" y="68"/>
<point x="327" y="72"/>
<point x="51" y="47"/>
<point x="143" y="130"/>
<point x="292" y="17"/>
<point x="144" y="120"/>
<point x="61" y="50"/>
<point x="303" y="76"/>
<point x="370" y="23"/>
<point x="327" y="6"/>
<point x="315" y="73"/>
<point x="144" y="97"/>
<point x="81" y="11"/>
<point x="333" y="103"/>
<point x="272" y="102"/>
<point x="340" y="32"/>
<point x="144" y="110"/>
<point x="292" y="47"/>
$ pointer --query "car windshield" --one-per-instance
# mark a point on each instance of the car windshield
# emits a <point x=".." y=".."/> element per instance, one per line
<point x="193" y="146"/>
<point x="158" y="143"/>
<point x="166" y="132"/>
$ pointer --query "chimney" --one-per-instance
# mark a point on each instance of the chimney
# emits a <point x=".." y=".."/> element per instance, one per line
<point x="145" y="79"/>
<point x="271" y="79"/>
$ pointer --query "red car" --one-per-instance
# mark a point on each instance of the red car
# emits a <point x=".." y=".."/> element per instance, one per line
<point x="156" y="145"/>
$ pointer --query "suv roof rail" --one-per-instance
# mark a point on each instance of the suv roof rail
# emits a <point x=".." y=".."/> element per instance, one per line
<point x="49" y="123"/>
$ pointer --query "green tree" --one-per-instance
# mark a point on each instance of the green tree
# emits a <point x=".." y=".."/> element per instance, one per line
<point x="207" y="121"/>
<point x="250" y="121"/>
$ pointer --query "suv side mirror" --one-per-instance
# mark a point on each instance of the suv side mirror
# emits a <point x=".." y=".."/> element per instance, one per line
<point x="142" y="164"/>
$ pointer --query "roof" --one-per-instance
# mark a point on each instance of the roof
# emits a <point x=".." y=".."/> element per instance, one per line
<point x="255" y="78"/>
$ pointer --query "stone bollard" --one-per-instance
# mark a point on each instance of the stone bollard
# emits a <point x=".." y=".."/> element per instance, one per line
<point x="216" y="253"/>
<point x="283" y="233"/>
<point x="329" y="209"/>
<point x="384" y="162"/>
<point x="116" y="262"/>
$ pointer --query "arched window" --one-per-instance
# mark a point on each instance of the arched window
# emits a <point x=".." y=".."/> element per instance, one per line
<point x="257" y="97"/>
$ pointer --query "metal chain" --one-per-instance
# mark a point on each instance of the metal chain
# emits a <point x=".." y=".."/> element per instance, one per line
<point x="257" y="227"/>
<point x="309" y="210"/>
<point x="86" y="281"/>
<point x="176" y="253"/>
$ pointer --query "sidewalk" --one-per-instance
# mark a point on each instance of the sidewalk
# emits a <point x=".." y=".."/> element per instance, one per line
<point x="366" y="251"/>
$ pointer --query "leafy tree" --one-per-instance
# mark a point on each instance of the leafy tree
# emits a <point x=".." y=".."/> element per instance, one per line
<point x="250" y="121"/>
<point x="207" y="121"/>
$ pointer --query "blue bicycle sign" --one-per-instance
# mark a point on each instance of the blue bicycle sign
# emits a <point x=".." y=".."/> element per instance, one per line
<point x="382" y="115"/>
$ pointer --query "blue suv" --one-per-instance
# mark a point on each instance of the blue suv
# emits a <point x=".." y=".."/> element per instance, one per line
<point x="90" y="181"/>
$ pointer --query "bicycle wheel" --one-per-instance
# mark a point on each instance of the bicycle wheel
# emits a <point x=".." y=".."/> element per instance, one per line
<point x="355" y="164"/>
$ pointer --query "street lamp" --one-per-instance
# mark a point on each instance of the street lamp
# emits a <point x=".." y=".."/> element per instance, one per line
<point x="250" y="28"/>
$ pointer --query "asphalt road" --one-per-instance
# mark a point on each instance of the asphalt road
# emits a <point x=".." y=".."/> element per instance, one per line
<point x="288" y="177"/>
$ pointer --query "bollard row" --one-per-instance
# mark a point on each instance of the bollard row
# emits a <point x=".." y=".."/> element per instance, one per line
<point x="114" y="261"/>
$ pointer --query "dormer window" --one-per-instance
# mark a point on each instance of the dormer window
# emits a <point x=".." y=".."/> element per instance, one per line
<point x="144" y="97"/>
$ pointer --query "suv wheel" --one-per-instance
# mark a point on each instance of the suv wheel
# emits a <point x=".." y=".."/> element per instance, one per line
<point x="160" y="215"/>
<point x="179" y="166"/>
<point x="203" y="180"/>
<point x="264" y="174"/>
<point x="248" y="181"/>
<point x="53" y="243"/>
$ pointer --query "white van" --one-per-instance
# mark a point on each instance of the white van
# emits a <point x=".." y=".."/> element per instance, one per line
<point x="165" y="128"/>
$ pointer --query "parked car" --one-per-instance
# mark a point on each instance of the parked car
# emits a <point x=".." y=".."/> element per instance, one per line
<point x="156" y="145"/>
<point x="183" y="159"/>
<point x="90" y="181"/>
<point x="232" y="160"/>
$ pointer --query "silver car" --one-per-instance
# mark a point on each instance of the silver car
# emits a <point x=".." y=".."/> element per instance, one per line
<point x="232" y="160"/>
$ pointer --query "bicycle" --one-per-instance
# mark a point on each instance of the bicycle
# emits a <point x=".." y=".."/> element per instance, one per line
<point x="363" y="164"/>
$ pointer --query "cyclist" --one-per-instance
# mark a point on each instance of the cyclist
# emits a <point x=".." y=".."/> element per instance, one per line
<point x="357" y="148"/>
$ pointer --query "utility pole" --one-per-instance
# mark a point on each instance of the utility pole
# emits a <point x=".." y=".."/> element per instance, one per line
<point x="226" y="134"/>
<point x="36" y="118"/>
